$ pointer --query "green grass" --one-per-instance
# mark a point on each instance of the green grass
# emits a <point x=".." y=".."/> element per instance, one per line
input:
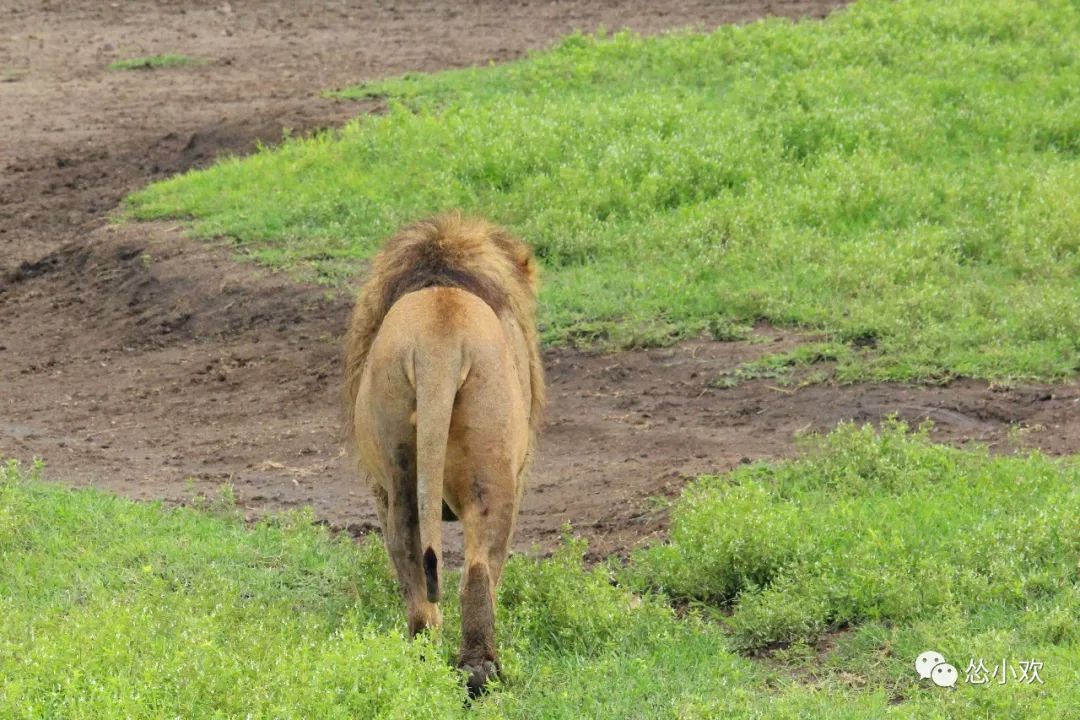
<point x="903" y="176"/>
<point x="906" y="544"/>
<point x="112" y="609"/>
<point x="152" y="62"/>
<point x="779" y="366"/>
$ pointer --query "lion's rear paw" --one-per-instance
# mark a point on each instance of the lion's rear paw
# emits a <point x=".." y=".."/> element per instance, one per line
<point x="479" y="675"/>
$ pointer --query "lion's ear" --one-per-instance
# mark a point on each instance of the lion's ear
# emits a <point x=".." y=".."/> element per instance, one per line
<point x="527" y="266"/>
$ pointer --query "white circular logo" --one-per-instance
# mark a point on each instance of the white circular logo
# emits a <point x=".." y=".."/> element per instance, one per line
<point x="925" y="663"/>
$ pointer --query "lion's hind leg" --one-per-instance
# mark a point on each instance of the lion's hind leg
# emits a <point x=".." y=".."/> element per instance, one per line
<point x="401" y="531"/>
<point x="488" y="508"/>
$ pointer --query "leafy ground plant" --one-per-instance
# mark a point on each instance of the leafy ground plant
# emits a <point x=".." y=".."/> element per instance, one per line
<point x="895" y="543"/>
<point x="112" y="609"/>
<point x="155" y="61"/>
<point x="902" y="176"/>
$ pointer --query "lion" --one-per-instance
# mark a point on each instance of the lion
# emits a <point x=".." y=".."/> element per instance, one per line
<point x="444" y="389"/>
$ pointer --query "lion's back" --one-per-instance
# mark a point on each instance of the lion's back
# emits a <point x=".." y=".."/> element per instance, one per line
<point x="460" y="253"/>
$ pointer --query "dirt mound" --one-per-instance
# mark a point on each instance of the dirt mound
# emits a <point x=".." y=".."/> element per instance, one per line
<point x="146" y="286"/>
<point x="140" y="361"/>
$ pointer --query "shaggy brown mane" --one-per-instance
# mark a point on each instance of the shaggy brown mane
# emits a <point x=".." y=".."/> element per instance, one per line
<point x="448" y="250"/>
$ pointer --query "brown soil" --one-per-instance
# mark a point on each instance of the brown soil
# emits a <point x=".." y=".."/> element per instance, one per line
<point x="137" y="360"/>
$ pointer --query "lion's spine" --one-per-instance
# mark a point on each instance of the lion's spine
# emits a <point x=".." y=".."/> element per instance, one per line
<point x="437" y="377"/>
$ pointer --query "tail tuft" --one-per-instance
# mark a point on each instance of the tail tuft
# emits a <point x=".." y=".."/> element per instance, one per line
<point x="431" y="574"/>
<point x="437" y="371"/>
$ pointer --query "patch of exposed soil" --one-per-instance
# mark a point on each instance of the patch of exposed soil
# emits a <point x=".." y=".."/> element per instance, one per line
<point x="158" y="367"/>
<point x="76" y="137"/>
<point x="136" y="360"/>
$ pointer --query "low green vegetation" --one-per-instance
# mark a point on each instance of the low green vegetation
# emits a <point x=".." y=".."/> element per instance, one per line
<point x="844" y="565"/>
<point x="903" y="544"/>
<point x="780" y="366"/>
<point x="902" y="176"/>
<point x="155" y="61"/>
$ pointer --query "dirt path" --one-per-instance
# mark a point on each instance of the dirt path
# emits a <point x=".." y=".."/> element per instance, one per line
<point x="137" y="360"/>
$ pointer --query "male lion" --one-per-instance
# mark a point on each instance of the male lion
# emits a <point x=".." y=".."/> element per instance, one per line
<point x="444" y="389"/>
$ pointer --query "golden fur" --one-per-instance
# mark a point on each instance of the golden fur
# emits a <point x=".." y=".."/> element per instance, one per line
<point x="444" y="389"/>
<point x="448" y="250"/>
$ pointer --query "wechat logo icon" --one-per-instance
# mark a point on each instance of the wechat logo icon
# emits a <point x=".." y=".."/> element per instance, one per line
<point x="931" y="664"/>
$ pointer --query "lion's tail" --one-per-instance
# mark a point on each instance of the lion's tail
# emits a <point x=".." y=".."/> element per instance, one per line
<point x="437" y="375"/>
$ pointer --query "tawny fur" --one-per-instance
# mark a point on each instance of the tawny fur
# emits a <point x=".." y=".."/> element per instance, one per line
<point x="444" y="390"/>
<point x="448" y="250"/>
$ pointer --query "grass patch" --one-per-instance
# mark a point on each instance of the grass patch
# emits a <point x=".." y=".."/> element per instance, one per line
<point x="901" y="175"/>
<point x="153" y="62"/>
<point x="780" y="366"/>
<point x="111" y="609"/>
<point x="913" y="545"/>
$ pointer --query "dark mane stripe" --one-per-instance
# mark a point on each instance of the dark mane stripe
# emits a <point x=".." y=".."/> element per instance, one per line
<point x="430" y="264"/>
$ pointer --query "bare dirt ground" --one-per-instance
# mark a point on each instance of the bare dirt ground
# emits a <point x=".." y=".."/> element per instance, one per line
<point x="140" y="361"/>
